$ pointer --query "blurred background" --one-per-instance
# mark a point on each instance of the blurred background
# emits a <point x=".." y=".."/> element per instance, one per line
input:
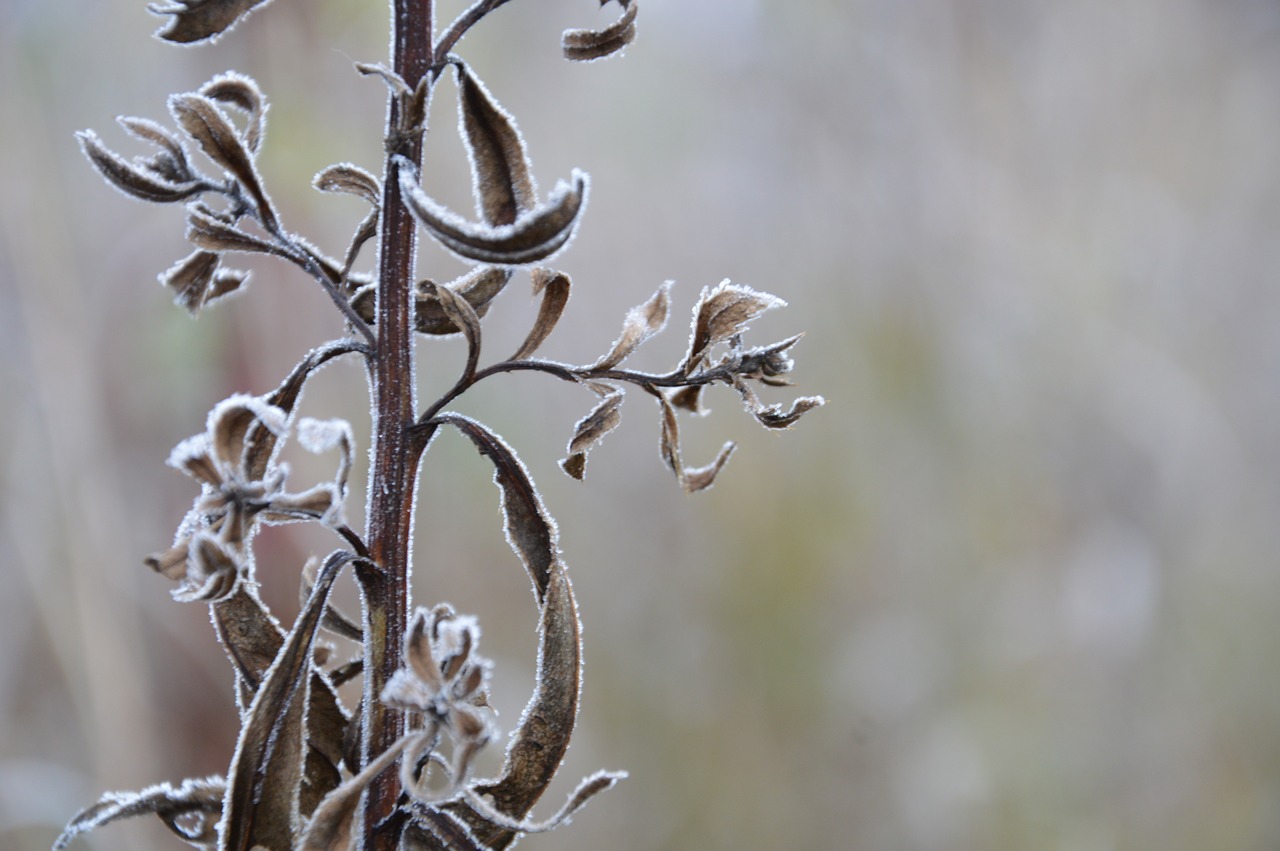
<point x="1014" y="587"/>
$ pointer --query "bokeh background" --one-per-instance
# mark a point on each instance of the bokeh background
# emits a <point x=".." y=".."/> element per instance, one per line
<point x="1015" y="587"/>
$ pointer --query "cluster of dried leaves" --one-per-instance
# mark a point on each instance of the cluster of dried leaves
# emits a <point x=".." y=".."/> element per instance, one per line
<point x="297" y="776"/>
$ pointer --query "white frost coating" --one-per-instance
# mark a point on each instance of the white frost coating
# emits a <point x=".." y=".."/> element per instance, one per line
<point x="471" y="158"/>
<point x="274" y="419"/>
<point x="475" y="241"/>
<point x="322" y="435"/>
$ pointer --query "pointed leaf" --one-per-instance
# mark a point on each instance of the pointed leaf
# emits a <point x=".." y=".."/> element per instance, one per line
<point x="500" y="171"/>
<point x="586" y="45"/>
<point x="722" y="312"/>
<point x="330" y="826"/>
<point x="190" y="279"/>
<point x="534" y="235"/>
<point x="191" y="810"/>
<point x="642" y="322"/>
<point x="213" y="234"/>
<point x="264" y="785"/>
<point x="530" y="530"/>
<point x="554" y="287"/>
<point x="197" y="20"/>
<point x="204" y="122"/>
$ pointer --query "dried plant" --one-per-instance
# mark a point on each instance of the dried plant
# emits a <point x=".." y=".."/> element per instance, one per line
<point x="397" y="772"/>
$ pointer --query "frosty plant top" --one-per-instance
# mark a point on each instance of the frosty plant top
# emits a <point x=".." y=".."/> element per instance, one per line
<point x="396" y="770"/>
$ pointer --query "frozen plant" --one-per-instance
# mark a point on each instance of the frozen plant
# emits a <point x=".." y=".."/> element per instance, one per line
<point x="307" y="771"/>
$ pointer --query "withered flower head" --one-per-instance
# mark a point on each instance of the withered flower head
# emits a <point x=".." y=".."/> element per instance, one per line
<point x="240" y="486"/>
<point x="442" y="677"/>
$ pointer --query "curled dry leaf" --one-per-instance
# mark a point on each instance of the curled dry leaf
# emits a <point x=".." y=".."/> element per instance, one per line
<point x="141" y="178"/>
<point x="191" y="811"/>
<point x="590" y="430"/>
<point x="204" y="122"/>
<point x="500" y="171"/>
<point x="642" y="322"/>
<point x="242" y="92"/>
<point x="198" y="20"/>
<point x="773" y="416"/>
<point x="460" y="315"/>
<point x="586" y="45"/>
<point x="213" y="234"/>
<point x="197" y="279"/>
<point x="348" y="179"/>
<point x="691" y="480"/>
<point x="554" y="287"/>
<point x="534" y="235"/>
<point x="477" y="288"/>
<point x="539" y="743"/>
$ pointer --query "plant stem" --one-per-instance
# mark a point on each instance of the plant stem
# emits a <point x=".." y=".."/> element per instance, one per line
<point x="394" y="470"/>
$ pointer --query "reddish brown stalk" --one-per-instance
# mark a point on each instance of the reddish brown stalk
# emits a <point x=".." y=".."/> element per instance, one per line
<point x="392" y="479"/>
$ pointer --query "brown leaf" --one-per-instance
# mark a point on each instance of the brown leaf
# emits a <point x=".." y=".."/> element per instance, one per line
<point x="460" y="315"/>
<point x="329" y="828"/>
<point x="538" y="745"/>
<point x="500" y="171"/>
<point x="190" y="278"/>
<point x="554" y="287"/>
<point x="197" y="20"/>
<point x="134" y="178"/>
<point x="530" y="530"/>
<point x="348" y="179"/>
<point x="171" y="163"/>
<point x="242" y="92"/>
<point x="213" y="234"/>
<point x="586" y="45"/>
<point x="642" y="322"/>
<point x="477" y="288"/>
<point x="535" y="235"/>
<point x="191" y="811"/>
<point x="204" y="122"/>
<point x="722" y="312"/>
<point x="699" y="478"/>
<point x="590" y="430"/>
<point x="772" y="416"/>
<point x="264" y="784"/>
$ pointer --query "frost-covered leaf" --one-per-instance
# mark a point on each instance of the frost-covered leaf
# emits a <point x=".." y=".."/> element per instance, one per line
<point x="773" y="416"/>
<point x="135" y="178"/>
<point x="587" y="789"/>
<point x="478" y="288"/>
<point x="534" y="236"/>
<point x="264" y="785"/>
<point x="538" y="744"/>
<point x="329" y="828"/>
<point x="689" y="398"/>
<point x="198" y="279"/>
<point x="213" y="234"/>
<point x="204" y="122"/>
<point x="349" y="179"/>
<point x="197" y="20"/>
<point x="530" y="530"/>
<point x="191" y="811"/>
<point x="721" y="313"/>
<point x="242" y="92"/>
<point x="590" y="430"/>
<point x="554" y="287"/>
<point x="691" y="480"/>
<point x="500" y="170"/>
<point x="461" y="315"/>
<point x="171" y="161"/>
<point x="642" y="322"/>
<point x="585" y="45"/>
<point x="213" y="571"/>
